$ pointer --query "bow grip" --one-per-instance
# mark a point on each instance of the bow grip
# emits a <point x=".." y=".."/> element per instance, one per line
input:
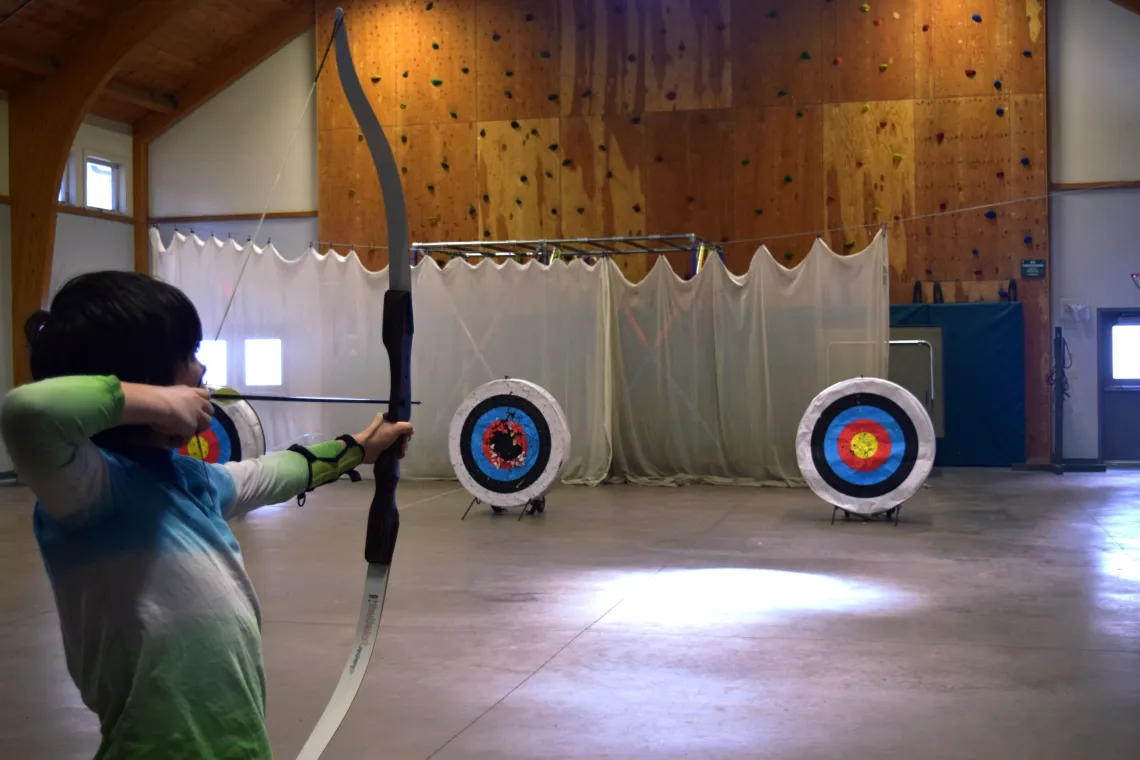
<point x="383" y="516"/>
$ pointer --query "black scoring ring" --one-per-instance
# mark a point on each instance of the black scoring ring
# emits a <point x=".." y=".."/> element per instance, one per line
<point x="540" y="424"/>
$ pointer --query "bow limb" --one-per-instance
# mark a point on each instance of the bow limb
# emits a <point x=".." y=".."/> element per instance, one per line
<point x="383" y="517"/>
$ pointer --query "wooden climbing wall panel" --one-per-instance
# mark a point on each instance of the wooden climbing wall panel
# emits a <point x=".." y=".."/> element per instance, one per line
<point x="869" y="165"/>
<point x="517" y="59"/>
<point x="743" y="121"/>
<point x="519" y="192"/>
<point x="777" y="53"/>
<point x="435" y="59"/>
<point x="868" y="55"/>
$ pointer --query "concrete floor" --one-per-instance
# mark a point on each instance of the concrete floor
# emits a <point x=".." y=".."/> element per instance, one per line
<point x="1000" y="620"/>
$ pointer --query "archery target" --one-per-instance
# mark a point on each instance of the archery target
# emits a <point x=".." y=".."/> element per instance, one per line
<point x="234" y="434"/>
<point x="865" y="445"/>
<point x="509" y="442"/>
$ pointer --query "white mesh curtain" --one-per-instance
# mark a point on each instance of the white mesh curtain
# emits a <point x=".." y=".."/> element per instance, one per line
<point x="665" y="381"/>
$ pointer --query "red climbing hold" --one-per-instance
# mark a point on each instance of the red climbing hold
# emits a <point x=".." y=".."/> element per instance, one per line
<point x="1001" y="175"/>
<point x="971" y="73"/>
<point x="670" y="95"/>
<point x="941" y="206"/>
<point x="837" y="61"/>
<point x="940" y="137"/>
<point x="878" y="22"/>
<point x="926" y="27"/>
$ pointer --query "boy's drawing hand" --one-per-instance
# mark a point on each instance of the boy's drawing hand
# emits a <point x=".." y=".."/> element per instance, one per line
<point x="380" y="435"/>
<point x="176" y="413"/>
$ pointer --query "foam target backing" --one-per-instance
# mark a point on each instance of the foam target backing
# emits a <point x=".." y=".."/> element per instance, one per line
<point x="865" y="445"/>
<point x="509" y="442"/>
<point x="235" y="432"/>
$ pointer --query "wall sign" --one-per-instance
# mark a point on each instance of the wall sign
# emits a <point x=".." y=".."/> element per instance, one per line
<point x="1033" y="269"/>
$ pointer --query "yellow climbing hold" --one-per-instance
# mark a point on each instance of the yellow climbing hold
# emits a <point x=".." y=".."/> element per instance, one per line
<point x="865" y="7"/>
<point x="883" y="66"/>
<point x="897" y="158"/>
<point x="866" y="107"/>
<point x="877" y="211"/>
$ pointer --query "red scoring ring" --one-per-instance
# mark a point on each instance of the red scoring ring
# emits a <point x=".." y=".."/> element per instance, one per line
<point x="213" y="448"/>
<point x="853" y="429"/>
<point x="512" y="429"/>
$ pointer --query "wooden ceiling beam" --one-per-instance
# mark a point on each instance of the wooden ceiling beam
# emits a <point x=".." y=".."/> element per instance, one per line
<point x="45" y="65"/>
<point x="1132" y="5"/>
<point x="44" y="114"/>
<point x="229" y="68"/>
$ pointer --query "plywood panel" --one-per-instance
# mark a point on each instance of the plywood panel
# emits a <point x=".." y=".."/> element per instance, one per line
<point x="372" y="41"/>
<point x="868" y="55"/>
<point x="1034" y="295"/>
<point x="689" y="65"/>
<point x="517" y="59"/>
<point x="437" y="162"/>
<point x="869" y="160"/>
<point x="1027" y="51"/>
<point x="778" y="176"/>
<point x="1029" y="179"/>
<point x="963" y="167"/>
<point x="436" y="50"/>
<point x="689" y="155"/>
<point x="603" y="56"/>
<point x="519" y="192"/>
<point x="349" y="198"/>
<point x="770" y="42"/>
<point x="957" y="56"/>
<point x="603" y="186"/>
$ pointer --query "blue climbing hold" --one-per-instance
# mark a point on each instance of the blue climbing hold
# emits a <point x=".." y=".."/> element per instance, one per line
<point x="1027" y="53"/>
<point x="991" y="215"/>
<point x="997" y="84"/>
<point x="1025" y="161"/>
<point x="1028" y="240"/>
<point x="977" y="17"/>
<point x="975" y="251"/>
<point x="1000" y="111"/>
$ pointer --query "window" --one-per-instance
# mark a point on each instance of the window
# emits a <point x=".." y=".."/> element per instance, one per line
<point x="212" y="353"/>
<point x="102" y="184"/>
<point x="65" y="183"/>
<point x="263" y="361"/>
<point x="1126" y="352"/>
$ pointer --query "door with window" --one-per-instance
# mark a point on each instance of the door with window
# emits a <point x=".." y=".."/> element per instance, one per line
<point x="1119" y="385"/>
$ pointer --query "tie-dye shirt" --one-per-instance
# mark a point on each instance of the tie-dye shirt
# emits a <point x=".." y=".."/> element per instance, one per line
<point x="161" y="626"/>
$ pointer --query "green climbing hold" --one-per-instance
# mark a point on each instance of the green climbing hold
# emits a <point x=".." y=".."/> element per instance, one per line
<point x="375" y="79"/>
<point x="453" y="114"/>
<point x="514" y="125"/>
<point x="403" y="105"/>
<point x="567" y="162"/>
<point x="745" y="162"/>
<point x="360" y="138"/>
<point x="554" y="212"/>
<point x="431" y="188"/>
<point x="581" y="210"/>
<point x="436" y="82"/>
<point x="789" y="255"/>
<point x="805" y="55"/>
<point x="800" y="113"/>
<point x="404" y="139"/>
<point x="544" y="54"/>
<point x="429" y="6"/>
<point x="849" y="246"/>
<point x="781" y="93"/>
<point x="486" y="198"/>
<point x="471" y="210"/>
<point x="553" y="97"/>
<point x="534" y="131"/>
<point x="444" y="165"/>
<point x="465" y="70"/>
<point x="518" y="202"/>
<point x="435" y="45"/>
<point x="759" y="212"/>
<point x="510" y="73"/>
<point x="772" y="14"/>
<point x="523" y="179"/>
<point x="404" y="75"/>
<point x="496" y="37"/>
<point x="788" y="178"/>
<point x="549" y="174"/>
<point x="554" y="147"/>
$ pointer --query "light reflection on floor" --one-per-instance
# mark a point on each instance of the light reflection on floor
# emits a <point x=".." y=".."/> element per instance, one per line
<point x="711" y="596"/>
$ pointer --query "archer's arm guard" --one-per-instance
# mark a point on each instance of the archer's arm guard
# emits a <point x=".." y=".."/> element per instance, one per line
<point x="329" y="461"/>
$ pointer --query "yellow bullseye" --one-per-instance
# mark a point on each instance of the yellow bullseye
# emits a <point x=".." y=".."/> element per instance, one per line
<point x="864" y="445"/>
<point x="198" y="448"/>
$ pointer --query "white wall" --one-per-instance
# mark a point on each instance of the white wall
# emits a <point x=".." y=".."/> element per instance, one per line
<point x="224" y="157"/>
<point x="1094" y="119"/>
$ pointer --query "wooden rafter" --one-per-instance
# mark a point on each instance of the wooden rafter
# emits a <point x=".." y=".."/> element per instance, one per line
<point x="44" y="115"/>
<point x="1132" y="5"/>
<point x="45" y="65"/>
<point x="209" y="82"/>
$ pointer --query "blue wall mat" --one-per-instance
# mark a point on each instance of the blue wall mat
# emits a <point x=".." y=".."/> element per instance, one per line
<point x="983" y="380"/>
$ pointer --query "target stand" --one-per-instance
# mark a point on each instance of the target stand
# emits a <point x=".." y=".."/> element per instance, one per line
<point x="235" y="432"/>
<point x="509" y="442"/>
<point x="865" y="446"/>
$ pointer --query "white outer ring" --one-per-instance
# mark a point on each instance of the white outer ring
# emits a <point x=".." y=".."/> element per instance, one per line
<point x="924" y="429"/>
<point x="251" y="436"/>
<point x="559" y="441"/>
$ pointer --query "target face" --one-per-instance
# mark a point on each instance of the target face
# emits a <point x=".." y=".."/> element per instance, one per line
<point x="234" y="434"/>
<point x="508" y="442"/>
<point x="865" y="445"/>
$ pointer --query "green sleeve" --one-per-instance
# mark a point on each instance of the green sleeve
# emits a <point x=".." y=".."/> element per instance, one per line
<point x="283" y="475"/>
<point x="43" y="423"/>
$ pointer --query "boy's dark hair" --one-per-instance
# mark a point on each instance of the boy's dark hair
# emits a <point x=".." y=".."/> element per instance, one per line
<point x="132" y="326"/>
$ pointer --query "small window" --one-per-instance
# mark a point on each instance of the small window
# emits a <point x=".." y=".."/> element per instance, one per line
<point x="102" y="184"/>
<point x="263" y="361"/>
<point x="212" y="353"/>
<point x="65" y="183"/>
<point x="1126" y="352"/>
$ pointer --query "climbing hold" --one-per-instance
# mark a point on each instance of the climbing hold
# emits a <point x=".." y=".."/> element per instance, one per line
<point x="1001" y="175"/>
<point x="745" y="162"/>
<point x="1000" y="111"/>
<point x="849" y="245"/>
<point x="975" y="252"/>
<point x="858" y="164"/>
<point x="602" y="148"/>
<point x="866" y="107"/>
<point x="659" y="158"/>
<point x="883" y="66"/>
<point x="518" y="202"/>
<point x="805" y="55"/>
<point x="403" y="170"/>
<point x="514" y="125"/>
<point x="453" y="114"/>
<point x="782" y="93"/>
<point x="637" y="208"/>
<point x="482" y="133"/>
<point x="897" y="158"/>
<point x="772" y="14"/>
<point x="552" y="97"/>
<point x="534" y="131"/>
<point x="403" y="105"/>
<point x="465" y="70"/>
<point x="486" y="233"/>
<point x="929" y="271"/>
<point x="429" y="6"/>
<point x="445" y="166"/>
<point x="789" y="255"/>
<point x="431" y="188"/>
<point x="554" y="212"/>
<point x="404" y="139"/>
<point x="360" y="138"/>
<point x="523" y="179"/>
<point x="581" y="210"/>
<point x="941" y="206"/>
<point x="436" y="82"/>
<point x="375" y="79"/>
<point x="404" y="75"/>
<point x="529" y="17"/>
<point x="544" y="54"/>
<point x="1027" y="53"/>
<point x="510" y="73"/>
<point x="553" y="147"/>
<point x="351" y="191"/>
<point x="800" y="113"/>
<point x="882" y="125"/>
<point x="549" y="174"/>
<point x="670" y="96"/>
<point x="878" y="22"/>
<point x="635" y="120"/>
<point x="632" y="58"/>
<point x="971" y="73"/>
<point x="876" y="211"/>
<point x="486" y="198"/>
<point x="609" y="175"/>
<point x="1028" y="240"/>
<point x="940" y="137"/>
<point x="896" y="15"/>
<point x="977" y="272"/>
<point x="926" y="27"/>
<point x="977" y="17"/>
<point x="837" y="61"/>
<point x="865" y="7"/>
<point x="898" y="217"/>
<point x="991" y="214"/>
<point x="495" y="37"/>
<point x="434" y="45"/>
<point x="1025" y="161"/>
<point x="471" y="210"/>
<point x="759" y="212"/>
<point x="508" y="94"/>
<point x="567" y="162"/>
<point x="787" y="178"/>
<point x="587" y="93"/>
<point x="681" y="47"/>
<point x="997" y="84"/>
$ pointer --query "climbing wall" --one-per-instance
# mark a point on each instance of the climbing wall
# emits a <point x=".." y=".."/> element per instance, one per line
<point x="744" y="121"/>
